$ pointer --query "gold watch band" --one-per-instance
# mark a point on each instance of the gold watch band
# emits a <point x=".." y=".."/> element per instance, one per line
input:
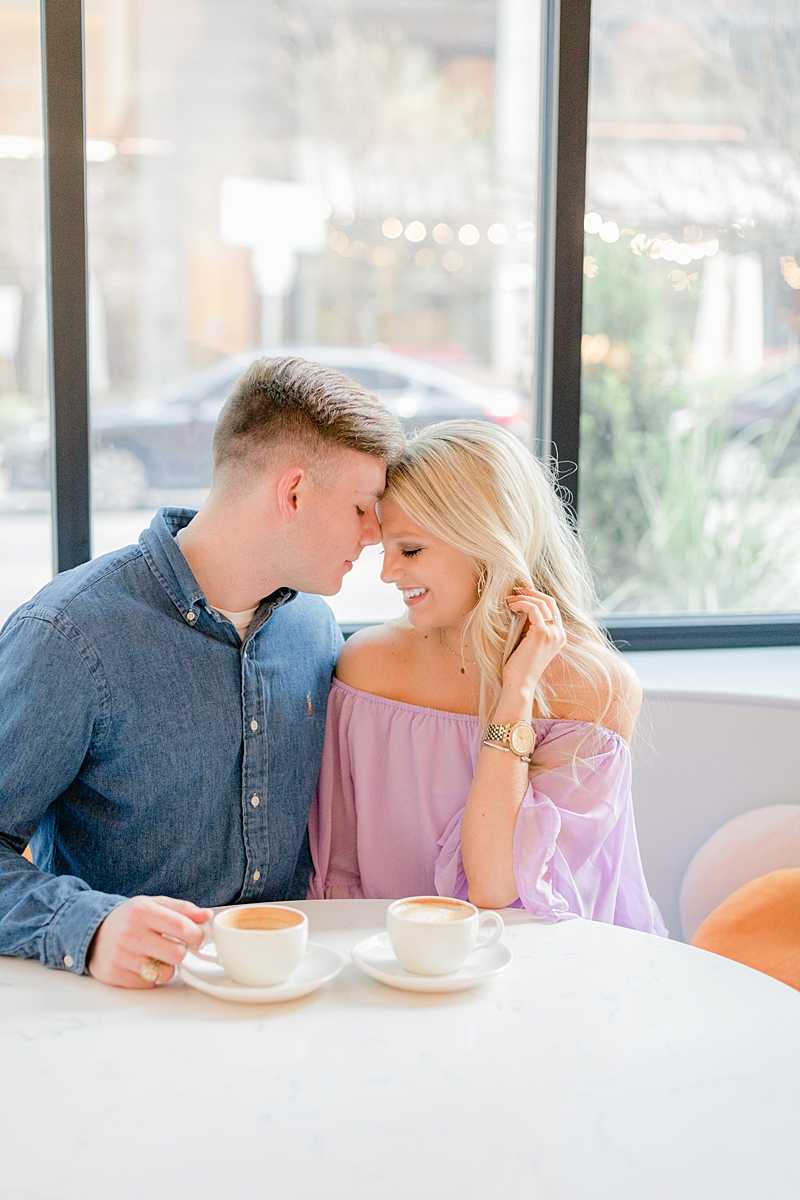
<point x="498" y="733"/>
<point x="518" y="738"/>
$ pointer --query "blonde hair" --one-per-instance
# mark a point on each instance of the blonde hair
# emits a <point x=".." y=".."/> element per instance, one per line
<point x="476" y="487"/>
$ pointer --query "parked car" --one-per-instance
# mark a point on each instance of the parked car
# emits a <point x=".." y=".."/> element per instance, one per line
<point x="775" y="398"/>
<point x="166" y="442"/>
<point x="771" y="408"/>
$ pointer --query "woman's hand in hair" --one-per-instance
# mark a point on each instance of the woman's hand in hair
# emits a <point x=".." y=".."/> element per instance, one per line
<point x="543" y="638"/>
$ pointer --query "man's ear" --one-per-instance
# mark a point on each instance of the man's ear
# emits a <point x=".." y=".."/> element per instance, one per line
<point x="293" y="489"/>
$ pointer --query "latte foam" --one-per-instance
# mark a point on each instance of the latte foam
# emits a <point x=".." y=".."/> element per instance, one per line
<point x="254" y="916"/>
<point x="431" y="913"/>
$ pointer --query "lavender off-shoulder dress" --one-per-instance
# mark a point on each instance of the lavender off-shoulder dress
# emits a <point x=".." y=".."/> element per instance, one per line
<point x="386" y="820"/>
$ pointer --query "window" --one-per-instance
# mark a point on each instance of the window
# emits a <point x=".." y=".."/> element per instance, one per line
<point x="25" y="545"/>
<point x="357" y="182"/>
<point x="690" y="438"/>
<point x="355" y="185"/>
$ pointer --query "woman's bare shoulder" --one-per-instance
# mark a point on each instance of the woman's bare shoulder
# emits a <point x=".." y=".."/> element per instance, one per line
<point x="579" y="699"/>
<point x="373" y="658"/>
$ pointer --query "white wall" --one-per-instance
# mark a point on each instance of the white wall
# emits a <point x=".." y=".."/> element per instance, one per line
<point x="719" y="734"/>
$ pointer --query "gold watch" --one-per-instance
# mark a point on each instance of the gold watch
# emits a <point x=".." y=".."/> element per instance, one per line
<point x="518" y="739"/>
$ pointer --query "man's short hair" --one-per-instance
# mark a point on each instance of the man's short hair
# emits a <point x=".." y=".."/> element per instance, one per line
<point x="292" y="401"/>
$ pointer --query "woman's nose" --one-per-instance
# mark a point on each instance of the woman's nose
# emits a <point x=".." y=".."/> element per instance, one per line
<point x="390" y="572"/>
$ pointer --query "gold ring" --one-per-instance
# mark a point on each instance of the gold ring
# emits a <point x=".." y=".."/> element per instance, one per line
<point x="150" y="970"/>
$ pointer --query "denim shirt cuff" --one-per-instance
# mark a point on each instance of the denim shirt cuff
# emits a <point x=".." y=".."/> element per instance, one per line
<point x="71" y="930"/>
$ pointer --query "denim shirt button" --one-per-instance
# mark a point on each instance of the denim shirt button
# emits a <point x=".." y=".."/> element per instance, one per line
<point x="255" y="801"/>
<point x="69" y="961"/>
<point x="256" y="875"/>
<point x="254" y="724"/>
<point x="191" y="616"/>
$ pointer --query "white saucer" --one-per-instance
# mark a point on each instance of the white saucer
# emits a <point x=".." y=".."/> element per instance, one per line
<point x="318" y="966"/>
<point x="376" y="958"/>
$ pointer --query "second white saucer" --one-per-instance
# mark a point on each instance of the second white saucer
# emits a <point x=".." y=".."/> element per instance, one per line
<point x="376" y="958"/>
<point x="318" y="966"/>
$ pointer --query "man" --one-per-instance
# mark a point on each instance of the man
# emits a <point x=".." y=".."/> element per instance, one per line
<point x="162" y="708"/>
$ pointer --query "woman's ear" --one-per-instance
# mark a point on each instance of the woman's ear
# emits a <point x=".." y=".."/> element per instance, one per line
<point x="480" y="583"/>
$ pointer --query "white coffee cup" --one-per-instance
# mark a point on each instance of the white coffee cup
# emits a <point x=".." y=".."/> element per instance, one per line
<point x="258" y="944"/>
<point x="434" y="935"/>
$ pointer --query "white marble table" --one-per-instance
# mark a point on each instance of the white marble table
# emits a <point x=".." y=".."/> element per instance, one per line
<point x="603" y="1065"/>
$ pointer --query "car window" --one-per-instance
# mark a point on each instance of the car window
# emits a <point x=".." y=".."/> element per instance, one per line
<point x="220" y="390"/>
<point x="374" y="379"/>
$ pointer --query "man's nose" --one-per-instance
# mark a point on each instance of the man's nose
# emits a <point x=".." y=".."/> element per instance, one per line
<point x="370" y="530"/>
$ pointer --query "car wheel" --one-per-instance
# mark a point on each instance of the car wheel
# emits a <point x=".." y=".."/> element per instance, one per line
<point x="119" y="479"/>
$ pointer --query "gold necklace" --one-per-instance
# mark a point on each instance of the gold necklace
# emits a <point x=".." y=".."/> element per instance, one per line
<point x="472" y="661"/>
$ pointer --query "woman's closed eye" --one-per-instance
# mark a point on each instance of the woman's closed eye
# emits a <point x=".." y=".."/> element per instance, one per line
<point x="411" y="553"/>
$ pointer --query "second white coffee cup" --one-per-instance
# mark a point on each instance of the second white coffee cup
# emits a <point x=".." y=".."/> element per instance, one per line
<point x="434" y="935"/>
<point x="259" y="945"/>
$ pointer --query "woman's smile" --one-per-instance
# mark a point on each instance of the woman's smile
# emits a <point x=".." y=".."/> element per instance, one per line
<point x="414" y="595"/>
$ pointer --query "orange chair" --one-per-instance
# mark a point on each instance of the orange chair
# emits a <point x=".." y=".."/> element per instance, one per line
<point x="750" y="845"/>
<point x="759" y="925"/>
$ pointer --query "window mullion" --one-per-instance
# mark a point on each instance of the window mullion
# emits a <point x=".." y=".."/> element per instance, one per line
<point x="559" y="276"/>
<point x="65" y="226"/>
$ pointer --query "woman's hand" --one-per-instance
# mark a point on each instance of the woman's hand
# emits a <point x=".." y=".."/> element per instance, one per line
<point x="542" y="640"/>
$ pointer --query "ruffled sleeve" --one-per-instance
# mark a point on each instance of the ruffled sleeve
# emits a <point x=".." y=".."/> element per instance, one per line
<point x="575" y="849"/>
<point x="332" y="822"/>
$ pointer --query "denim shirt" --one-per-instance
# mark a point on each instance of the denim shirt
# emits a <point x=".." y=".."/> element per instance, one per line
<point x="145" y="749"/>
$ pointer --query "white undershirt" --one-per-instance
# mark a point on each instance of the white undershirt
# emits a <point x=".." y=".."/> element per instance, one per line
<point x="239" y="620"/>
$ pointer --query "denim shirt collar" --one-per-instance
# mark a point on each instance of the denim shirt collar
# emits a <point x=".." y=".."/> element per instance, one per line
<point x="173" y="572"/>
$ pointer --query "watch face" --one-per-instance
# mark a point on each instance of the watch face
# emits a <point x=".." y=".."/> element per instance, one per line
<point x="522" y="739"/>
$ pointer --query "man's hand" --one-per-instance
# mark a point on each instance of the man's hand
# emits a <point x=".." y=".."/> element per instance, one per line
<point x="141" y="928"/>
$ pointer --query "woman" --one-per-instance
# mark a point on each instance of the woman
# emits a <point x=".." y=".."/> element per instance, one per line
<point x="479" y="749"/>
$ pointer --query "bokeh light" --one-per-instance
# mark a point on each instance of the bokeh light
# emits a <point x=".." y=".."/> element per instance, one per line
<point x="609" y="231"/>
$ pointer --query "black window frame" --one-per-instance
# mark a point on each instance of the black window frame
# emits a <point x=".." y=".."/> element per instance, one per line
<point x="564" y="99"/>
